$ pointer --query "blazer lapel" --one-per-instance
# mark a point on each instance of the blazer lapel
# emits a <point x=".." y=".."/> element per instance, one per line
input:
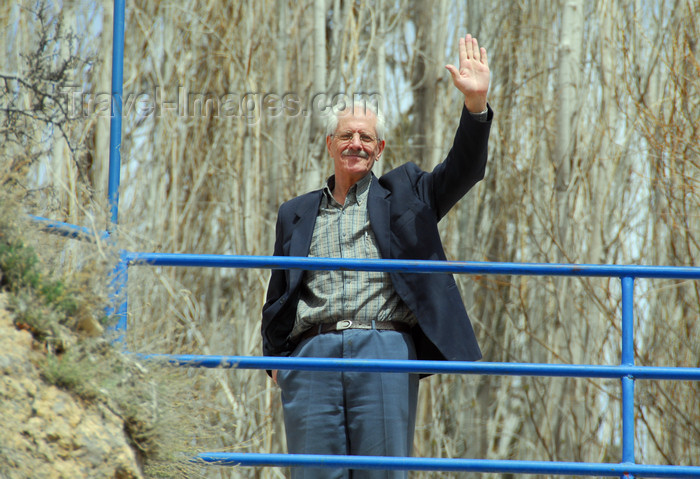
<point x="304" y="223"/>
<point x="379" y="216"/>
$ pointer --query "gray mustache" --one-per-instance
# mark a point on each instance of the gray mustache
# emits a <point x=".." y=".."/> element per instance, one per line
<point x="360" y="153"/>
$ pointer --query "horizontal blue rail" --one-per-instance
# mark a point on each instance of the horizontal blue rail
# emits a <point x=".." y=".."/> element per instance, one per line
<point x="430" y="367"/>
<point x="441" y="464"/>
<point x="410" y="266"/>
<point x="69" y="230"/>
<point x="404" y="266"/>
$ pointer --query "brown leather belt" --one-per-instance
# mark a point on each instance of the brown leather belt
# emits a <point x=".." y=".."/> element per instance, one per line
<point x="349" y="324"/>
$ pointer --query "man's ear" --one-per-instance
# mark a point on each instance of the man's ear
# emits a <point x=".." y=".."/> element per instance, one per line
<point x="381" y="146"/>
<point x="329" y="139"/>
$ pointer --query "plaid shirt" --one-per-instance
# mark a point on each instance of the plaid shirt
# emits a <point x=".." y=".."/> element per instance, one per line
<point x="343" y="231"/>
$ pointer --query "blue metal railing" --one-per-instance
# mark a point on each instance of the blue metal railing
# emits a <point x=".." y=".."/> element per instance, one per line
<point x="412" y="266"/>
<point x="439" y="464"/>
<point x="68" y="230"/>
<point x="432" y="367"/>
<point x="627" y="372"/>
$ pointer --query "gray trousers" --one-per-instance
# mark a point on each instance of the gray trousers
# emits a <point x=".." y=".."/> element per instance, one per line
<point x="350" y="413"/>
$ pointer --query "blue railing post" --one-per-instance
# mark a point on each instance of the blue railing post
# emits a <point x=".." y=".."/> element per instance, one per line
<point x="115" y="126"/>
<point x="627" y="381"/>
<point x="118" y="300"/>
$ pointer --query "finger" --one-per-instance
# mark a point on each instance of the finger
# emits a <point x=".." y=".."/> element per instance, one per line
<point x="475" y="49"/>
<point x="462" y="52"/>
<point x="453" y="71"/>
<point x="468" y="46"/>
<point x="484" y="58"/>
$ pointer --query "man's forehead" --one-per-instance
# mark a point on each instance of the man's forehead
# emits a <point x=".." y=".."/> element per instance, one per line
<point x="358" y="117"/>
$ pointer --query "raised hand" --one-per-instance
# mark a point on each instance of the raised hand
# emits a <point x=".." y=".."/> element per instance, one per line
<point x="473" y="76"/>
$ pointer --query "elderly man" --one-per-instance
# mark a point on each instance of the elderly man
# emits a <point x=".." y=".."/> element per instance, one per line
<point x="355" y="314"/>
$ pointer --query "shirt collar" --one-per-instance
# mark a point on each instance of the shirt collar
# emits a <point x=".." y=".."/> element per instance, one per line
<point x="357" y="193"/>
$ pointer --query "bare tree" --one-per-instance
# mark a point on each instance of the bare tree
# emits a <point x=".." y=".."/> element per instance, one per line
<point x="593" y="158"/>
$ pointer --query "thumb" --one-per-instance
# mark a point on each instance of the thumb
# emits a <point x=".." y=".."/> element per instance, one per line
<point x="453" y="71"/>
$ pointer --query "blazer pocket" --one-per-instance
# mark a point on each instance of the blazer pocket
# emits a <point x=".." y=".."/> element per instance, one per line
<point x="415" y="222"/>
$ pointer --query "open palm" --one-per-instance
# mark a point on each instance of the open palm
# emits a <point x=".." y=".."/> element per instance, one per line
<point x="473" y="76"/>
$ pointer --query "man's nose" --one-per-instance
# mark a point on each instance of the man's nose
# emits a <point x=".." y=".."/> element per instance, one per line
<point x="356" y="143"/>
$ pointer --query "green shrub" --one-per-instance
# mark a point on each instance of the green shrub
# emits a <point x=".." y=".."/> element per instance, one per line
<point x="18" y="265"/>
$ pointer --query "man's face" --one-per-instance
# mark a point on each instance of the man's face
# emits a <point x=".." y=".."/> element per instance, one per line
<point x="354" y="146"/>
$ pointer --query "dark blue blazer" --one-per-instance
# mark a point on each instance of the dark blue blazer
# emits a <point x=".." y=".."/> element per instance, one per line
<point x="404" y="207"/>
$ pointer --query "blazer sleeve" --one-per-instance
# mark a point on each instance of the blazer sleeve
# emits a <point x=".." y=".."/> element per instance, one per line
<point x="463" y="167"/>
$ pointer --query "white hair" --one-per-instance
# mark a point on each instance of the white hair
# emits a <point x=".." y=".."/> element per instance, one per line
<point x="334" y="115"/>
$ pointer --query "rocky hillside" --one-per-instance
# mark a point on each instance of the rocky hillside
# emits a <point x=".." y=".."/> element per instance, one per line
<point x="72" y="405"/>
<point x="48" y="432"/>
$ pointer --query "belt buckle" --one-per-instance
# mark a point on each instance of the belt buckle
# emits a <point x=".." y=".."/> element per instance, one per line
<point x="344" y="324"/>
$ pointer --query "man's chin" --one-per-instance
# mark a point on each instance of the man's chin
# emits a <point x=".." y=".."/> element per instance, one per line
<point x="359" y="169"/>
<point x="356" y="169"/>
<point x="355" y="159"/>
